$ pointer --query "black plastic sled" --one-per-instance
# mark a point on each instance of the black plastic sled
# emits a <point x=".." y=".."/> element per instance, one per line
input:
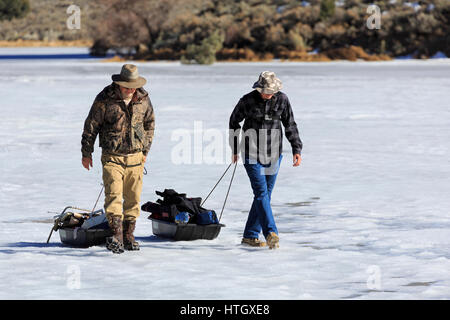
<point x="81" y="228"/>
<point x="185" y="232"/>
<point x="78" y="237"/>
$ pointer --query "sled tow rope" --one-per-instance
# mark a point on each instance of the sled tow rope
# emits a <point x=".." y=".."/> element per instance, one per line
<point x="229" y="187"/>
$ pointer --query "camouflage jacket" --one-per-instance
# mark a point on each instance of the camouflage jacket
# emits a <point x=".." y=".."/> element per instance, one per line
<point x="121" y="129"/>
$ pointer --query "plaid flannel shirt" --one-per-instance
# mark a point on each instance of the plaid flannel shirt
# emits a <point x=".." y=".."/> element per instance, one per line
<point x="264" y="114"/>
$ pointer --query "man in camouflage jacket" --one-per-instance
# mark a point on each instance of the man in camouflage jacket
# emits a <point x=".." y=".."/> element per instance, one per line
<point x="122" y="115"/>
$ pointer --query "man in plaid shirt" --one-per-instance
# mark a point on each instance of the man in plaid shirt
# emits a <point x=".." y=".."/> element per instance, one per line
<point x="264" y="110"/>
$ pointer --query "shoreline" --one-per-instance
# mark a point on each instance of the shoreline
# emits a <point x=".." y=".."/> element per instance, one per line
<point x="87" y="44"/>
<point x="45" y="44"/>
<point x="225" y="55"/>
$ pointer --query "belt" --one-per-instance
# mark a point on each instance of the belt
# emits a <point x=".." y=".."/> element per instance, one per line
<point x="123" y="154"/>
<point x="125" y="165"/>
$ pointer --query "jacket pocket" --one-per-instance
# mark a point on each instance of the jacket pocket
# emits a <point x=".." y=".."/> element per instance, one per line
<point x="140" y="136"/>
<point x="111" y="141"/>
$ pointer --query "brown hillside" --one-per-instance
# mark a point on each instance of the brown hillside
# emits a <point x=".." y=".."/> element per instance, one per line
<point x="46" y="22"/>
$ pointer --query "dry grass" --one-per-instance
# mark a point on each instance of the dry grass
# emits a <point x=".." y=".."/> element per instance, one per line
<point x="353" y="53"/>
<point x="40" y="43"/>
<point x="242" y="55"/>
<point x="303" y="56"/>
<point x="114" y="59"/>
<point x="47" y="22"/>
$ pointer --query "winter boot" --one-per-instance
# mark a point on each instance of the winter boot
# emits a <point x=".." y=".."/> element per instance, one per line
<point x="115" y="243"/>
<point x="128" y="237"/>
<point x="253" y="242"/>
<point x="273" y="240"/>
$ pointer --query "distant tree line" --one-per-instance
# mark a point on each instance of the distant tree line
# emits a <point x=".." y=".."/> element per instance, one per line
<point x="202" y="30"/>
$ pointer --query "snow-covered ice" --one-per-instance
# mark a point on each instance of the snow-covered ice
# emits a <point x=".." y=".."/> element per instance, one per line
<point x="366" y="215"/>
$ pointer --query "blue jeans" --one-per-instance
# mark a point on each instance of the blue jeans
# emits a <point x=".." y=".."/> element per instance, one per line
<point x="260" y="217"/>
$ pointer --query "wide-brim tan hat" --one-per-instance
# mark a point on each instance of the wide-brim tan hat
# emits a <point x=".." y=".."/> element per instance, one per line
<point x="129" y="77"/>
<point x="268" y="83"/>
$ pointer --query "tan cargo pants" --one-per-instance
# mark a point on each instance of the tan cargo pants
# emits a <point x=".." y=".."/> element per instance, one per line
<point x="122" y="178"/>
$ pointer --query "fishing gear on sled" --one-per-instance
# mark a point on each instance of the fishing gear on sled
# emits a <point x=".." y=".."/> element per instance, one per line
<point x="179" y="217"/>
<point x="175" y="216"/>
<point x="81" y="227"/>
<point x="72" y="217"/>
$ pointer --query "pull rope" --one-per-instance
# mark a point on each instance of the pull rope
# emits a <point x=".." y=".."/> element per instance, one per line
<point x="216" y="185"/>
<point x="228" y="191"/>
<point x="95" y="205"/>
<point x="229" y="187"/>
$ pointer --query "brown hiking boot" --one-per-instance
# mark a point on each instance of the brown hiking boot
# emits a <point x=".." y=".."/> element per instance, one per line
<point x="253" y="242"/>
<point x="273" y="240"/>
<point x="115" y="243"/>
<point x="128" y="237"/>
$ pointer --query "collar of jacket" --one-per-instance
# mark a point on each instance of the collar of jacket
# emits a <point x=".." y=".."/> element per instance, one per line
<point x="260" y="99"/>
<point x="113" y="92"/>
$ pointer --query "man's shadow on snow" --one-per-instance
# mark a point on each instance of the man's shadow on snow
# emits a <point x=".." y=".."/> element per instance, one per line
<point x="147" y="242"/>
<point x="27" y="245"/>
<point x="21" y="247"/>
<point x="35" y="245"/>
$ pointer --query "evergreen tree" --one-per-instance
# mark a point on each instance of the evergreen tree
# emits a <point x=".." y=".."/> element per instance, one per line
<point x="205" y="53"/>
<point x="327" y="8"/>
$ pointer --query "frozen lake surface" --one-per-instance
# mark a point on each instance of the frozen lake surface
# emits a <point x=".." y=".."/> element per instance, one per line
<point x="366" y="215"/>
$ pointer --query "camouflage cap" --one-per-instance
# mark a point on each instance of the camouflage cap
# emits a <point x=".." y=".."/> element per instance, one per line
<point x="268" y="83"/>
<point x="129" y="77"/>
